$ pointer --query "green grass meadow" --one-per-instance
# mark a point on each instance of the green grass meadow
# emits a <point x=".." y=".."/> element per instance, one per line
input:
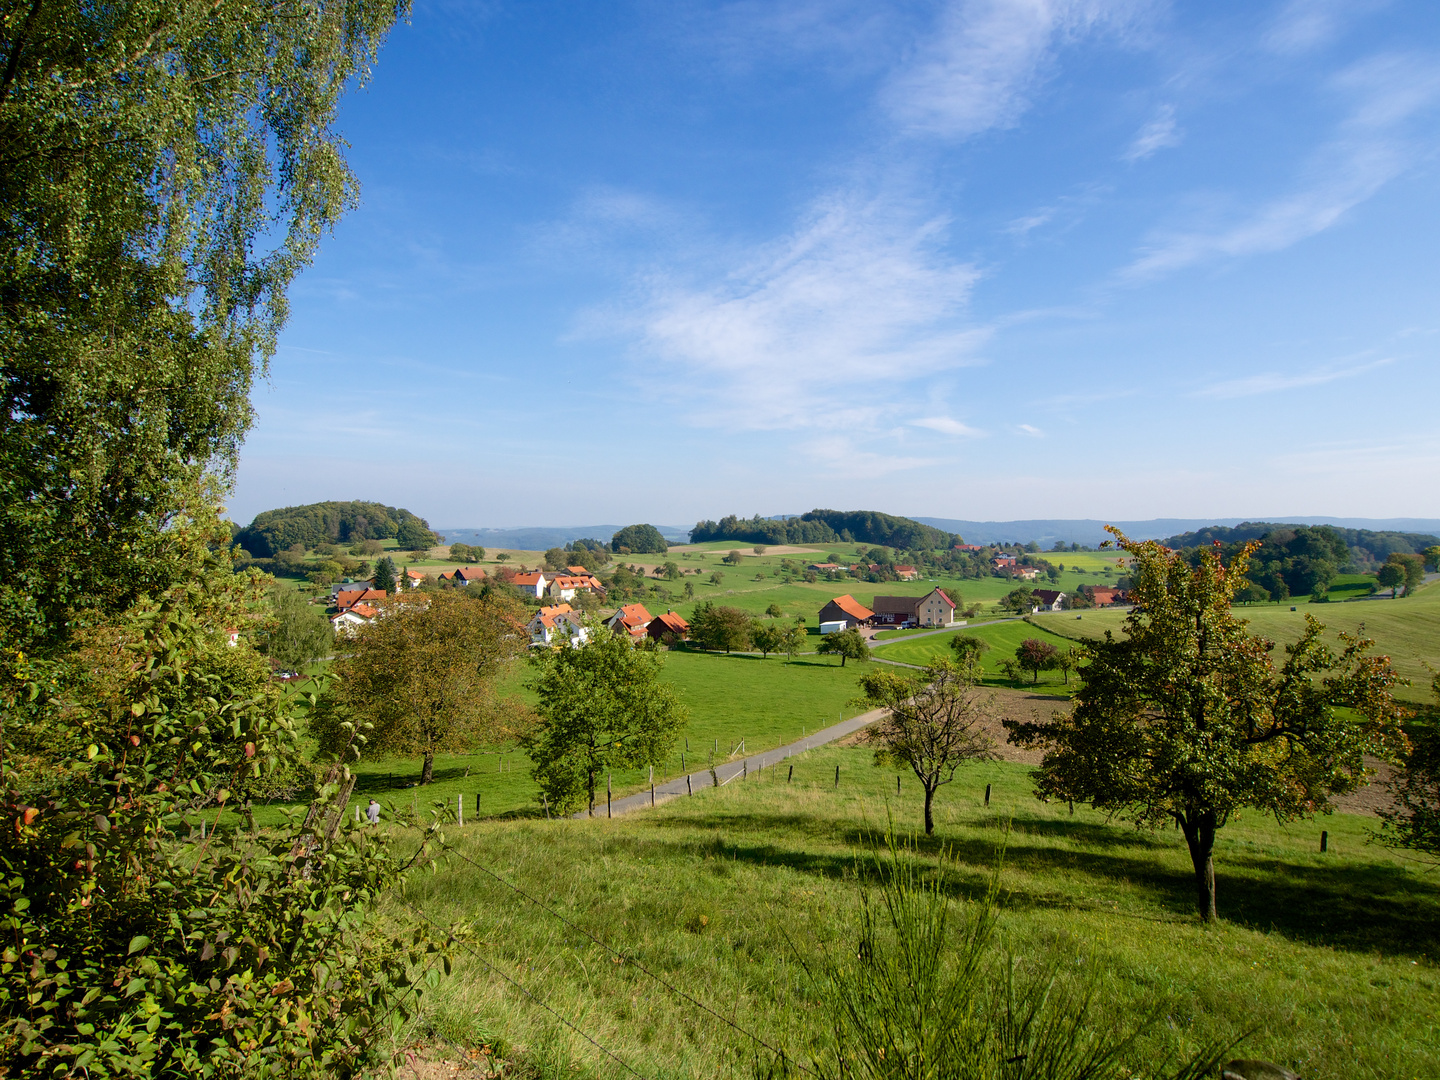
<point x="1324" y="962"/>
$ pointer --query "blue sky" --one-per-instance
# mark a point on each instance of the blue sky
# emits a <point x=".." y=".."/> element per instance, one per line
<point x="980" y="259"/>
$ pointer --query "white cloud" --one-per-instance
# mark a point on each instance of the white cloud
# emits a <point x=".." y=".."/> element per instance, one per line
<point x="1303" y="25"/>
<point x="1271" y="382"/>
<point x="1159" y="133"/>
<point x="985" y="59"/>
<point x="947" y="425"/>
<point x="824" y="326"/>
<point x="840" y="454"/>
<point x="1033" y="432"/>
<point x="1370" y="148"/>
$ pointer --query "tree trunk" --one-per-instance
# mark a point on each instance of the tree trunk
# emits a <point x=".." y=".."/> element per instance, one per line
<point x="1200" y="838"/>
<point x="592" y="792"/>
<point x="427" y="773"/>
<point x="929" y="814"/>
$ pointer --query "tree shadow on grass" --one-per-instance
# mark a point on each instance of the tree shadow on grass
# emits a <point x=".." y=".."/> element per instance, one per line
<point x="1359" y="907"/>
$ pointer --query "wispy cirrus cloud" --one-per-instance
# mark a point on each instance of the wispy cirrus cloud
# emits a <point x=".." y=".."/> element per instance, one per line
<point x="1372" y="146"/>
<point x="1272" y="382"/>
<point x="1160" y="132"/>
<point x="824" y="325"/>
<point x="947" y="425"/>
<point x="1303" y="25"/>
<point x="981" y="65"/>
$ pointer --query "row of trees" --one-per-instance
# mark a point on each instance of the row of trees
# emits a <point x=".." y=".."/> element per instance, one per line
<point x="333" y="522"/>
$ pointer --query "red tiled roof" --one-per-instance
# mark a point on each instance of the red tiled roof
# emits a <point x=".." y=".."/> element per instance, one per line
<point x="365" y="611"/>
<point x="532" y="578"/>
<point x="672" y="621"/>
<point x="946" y="597"/>
<point x="853" y="607"/>
<point x="580" y="570"/>
<point x="555" y="609"/>
<point x="348" y="598"/>
<point x="633" y="615"/>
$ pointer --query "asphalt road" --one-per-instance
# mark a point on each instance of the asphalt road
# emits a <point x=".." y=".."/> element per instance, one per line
<point x="733" y="770"/>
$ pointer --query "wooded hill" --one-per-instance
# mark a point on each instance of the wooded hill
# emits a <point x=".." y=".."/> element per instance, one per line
<point x="332" y="523"/>
<point x="1364" y="548"/>
<point x="825" y="527"/>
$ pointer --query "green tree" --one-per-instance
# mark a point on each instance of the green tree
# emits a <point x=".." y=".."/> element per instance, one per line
<point x="640" y="540"/>
<point x="768" y="637"/>
<point x="1068" y="660"/>
<point x="1391" y="576"/>
<point x="672" y="571"/>
<point x="1021" y="601"/>
<point x="384" y="578"/>
<point x="166" y="168"/>
<point x="1412" y="566"/>
<point x="1036" y="656"/>
<point x="935" y="721"/>
<point x="714" y="627"/>
<point x="1251" y="593"/>
<point x="1412" y="820"/>
<point x="1432" y="557"/>
<point x="602" y="706"/>
<point x="298" y="633"/>
<point x="689" y="590"/>
<point x="414" y="535"/>
<point x="557" y="558"/>
<point x="423" y="675"/>
<point x="847" y="644"/>
<point x="716" y="577"/>
<point x="793" y="641"/>
<point x="967" y="648"/>
<point x="733" y="559"/>
<point x="1186" y="719"/>
<point x="774" y="612"/>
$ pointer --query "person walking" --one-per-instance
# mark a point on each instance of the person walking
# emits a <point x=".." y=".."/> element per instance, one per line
<point x="372" y="812"/>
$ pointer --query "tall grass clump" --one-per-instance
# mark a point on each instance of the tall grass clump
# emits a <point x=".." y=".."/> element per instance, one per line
<point x="928" y="994"/>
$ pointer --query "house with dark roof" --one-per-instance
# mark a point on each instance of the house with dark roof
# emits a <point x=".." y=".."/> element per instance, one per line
<point x="935" y="608"/>
<point x="1049" y="600"/>
<point x="847" y="611"/>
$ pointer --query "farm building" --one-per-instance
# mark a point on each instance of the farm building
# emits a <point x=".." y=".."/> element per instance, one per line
<point x="532" y="584"/>
<point x="1049" y="600"/>
<point x="557" y="619"/>
<point x="935" y="608"/>
<point x="668" y="623"/>
<point x="906" y="573"/>
<point x="847" y="611"/>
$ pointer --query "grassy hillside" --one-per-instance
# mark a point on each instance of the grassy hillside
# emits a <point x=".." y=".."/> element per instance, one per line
<point x="1408" y="629"/>
<point x="1326" y="959"/>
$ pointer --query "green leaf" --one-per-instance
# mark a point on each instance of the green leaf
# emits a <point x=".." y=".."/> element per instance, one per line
<point x="138" y="942"/>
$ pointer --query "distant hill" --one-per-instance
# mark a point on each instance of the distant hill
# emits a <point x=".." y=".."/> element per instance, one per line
<point x="825" y="527"/>
<point x="1367" y="547"/>
<point x="544" y="537"/>
<point x="1091" y="531"/>
<point x="332" y="523"/>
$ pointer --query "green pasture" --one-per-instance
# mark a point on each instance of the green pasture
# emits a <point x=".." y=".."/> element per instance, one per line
<point x="1407" y="630"/>
<point x="767" y="703"/>
<point x="1325" y="963"/>
<point x="1003" y="638"/>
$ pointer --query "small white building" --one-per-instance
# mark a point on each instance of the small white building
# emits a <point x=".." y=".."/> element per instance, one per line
<point x="532" y="584"/>
<point x="833" y="627"/>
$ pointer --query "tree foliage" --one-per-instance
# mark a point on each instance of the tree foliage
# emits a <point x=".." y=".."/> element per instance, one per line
<point x="1413" y="818"/>
<point x="722" y="628"/>
<point x="640" y="540"/>
<point x="824" y="527"/>
<point x="847" y="644"/>
<point x="135" y="947"/>
<point x="334" y="523"/>
<point x="298" y="633"/>
<point x="1188" y="720"/>
<point x="935" y="721"/>
<point x="602" y="706"/>
<point x="422" y="675"/>
<point x="1035" y="656"/>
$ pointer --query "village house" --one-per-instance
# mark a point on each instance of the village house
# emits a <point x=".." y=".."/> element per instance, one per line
<point x="565" y="586"/>
<point x="826" y="567"/>
<point x="532" y="584"/>
<point x="353" y="618"/>
<point x="935" y="608"/>
<point x="414" y="578"/>
<point x="1049" y="600"/>
<point x="842" y="613"/>
<point x="906" y="573"/>
<point x="1003" y="561"/>
<point x="668" y="623"/>
<point x="557" y="619"/>
<point x="346" y="600"/>
<point x="968" y="547"/>
<point x="630" y="619"/>
<point x="1025" y="573"/>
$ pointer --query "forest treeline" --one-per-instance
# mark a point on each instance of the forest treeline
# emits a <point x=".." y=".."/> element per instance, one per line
<point x="825" y="527"/>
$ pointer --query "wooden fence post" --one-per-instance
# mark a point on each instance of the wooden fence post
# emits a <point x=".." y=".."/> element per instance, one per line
<point x="897" y="785"/>
<point x="791" y="776"/>
<point x="1324" y="840"/>
<point x="459" y="809"/>
<point x="689" y="790"/>
<point x="987" y="794"/>
<point x="837" y="776"/>
<point x="652" y="795"/>
<point x="607" y="795"/>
